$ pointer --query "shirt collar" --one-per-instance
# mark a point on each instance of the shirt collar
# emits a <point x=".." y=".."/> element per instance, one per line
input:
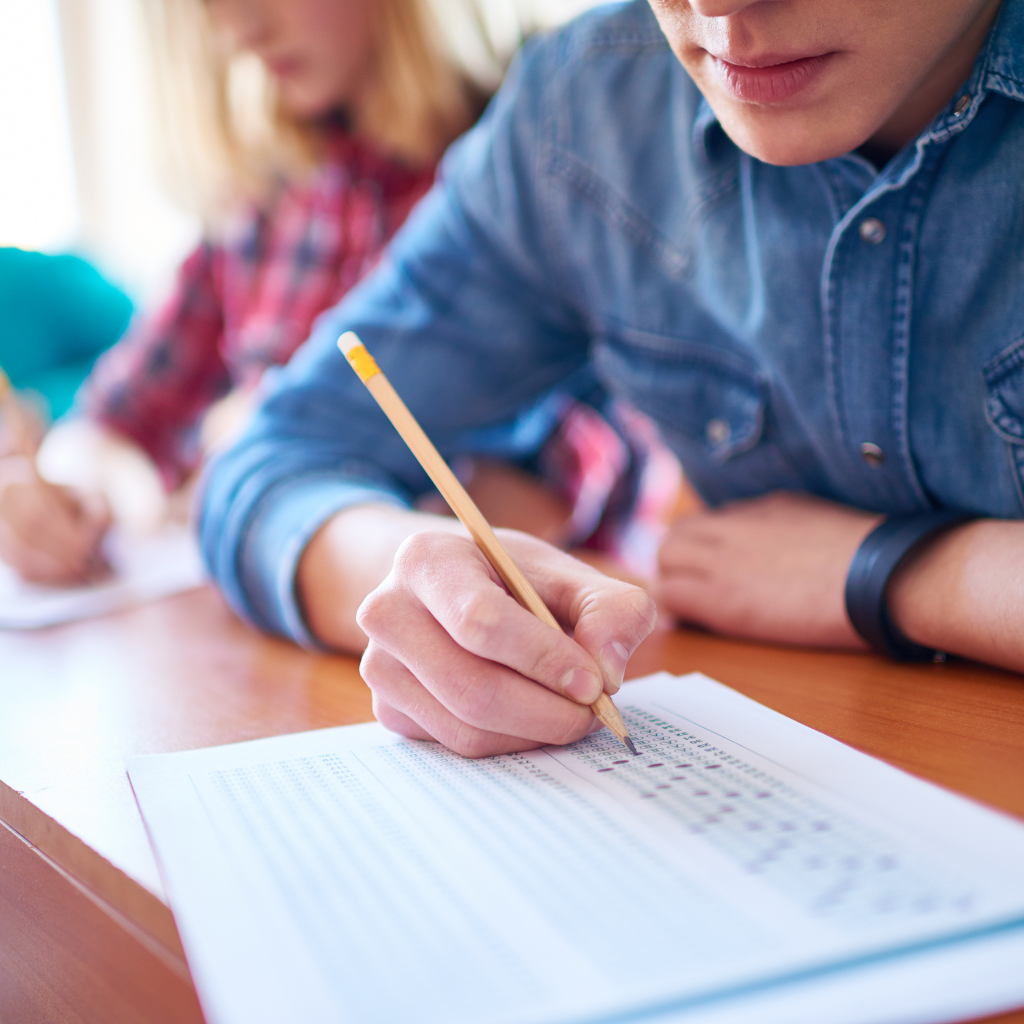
<point x="999" y="67"/>
<point x="1004" y="67"/>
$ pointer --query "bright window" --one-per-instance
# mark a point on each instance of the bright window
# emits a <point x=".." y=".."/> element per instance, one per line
<point x="38" y="205"/>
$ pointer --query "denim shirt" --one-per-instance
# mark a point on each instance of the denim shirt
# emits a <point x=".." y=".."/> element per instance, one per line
<point x="826" y="328"/>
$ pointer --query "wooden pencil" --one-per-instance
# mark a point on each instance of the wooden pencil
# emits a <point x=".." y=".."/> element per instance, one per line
<point x="463" y="505"/>
<point x="13" y="418"/>
<point x="11" y="415"/>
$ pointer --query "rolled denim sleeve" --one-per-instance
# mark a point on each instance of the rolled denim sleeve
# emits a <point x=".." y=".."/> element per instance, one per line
<point x="467" y="317"/>
<point x="276" y="538"/>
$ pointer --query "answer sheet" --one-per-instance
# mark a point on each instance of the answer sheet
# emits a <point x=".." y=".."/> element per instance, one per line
<point x="351" y="875"/>
<point x="144" y="569"/>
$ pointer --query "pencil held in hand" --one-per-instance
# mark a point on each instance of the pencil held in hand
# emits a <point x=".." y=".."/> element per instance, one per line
<point x="462" y="505"/>
<point x="21" y="428"/>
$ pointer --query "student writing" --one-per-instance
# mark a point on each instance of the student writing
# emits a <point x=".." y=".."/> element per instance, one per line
<point x="789" y="232"/>
<point x="308" y="130"/>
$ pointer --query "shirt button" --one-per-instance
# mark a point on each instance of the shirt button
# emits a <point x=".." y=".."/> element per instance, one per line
<point x="872" y="454"/>
<point x="872" y="230"/>
<point x="961" y="106"/>
<point x="717" y="431"/>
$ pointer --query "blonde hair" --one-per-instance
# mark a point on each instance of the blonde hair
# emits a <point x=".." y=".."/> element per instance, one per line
<point x="226" y="138"/>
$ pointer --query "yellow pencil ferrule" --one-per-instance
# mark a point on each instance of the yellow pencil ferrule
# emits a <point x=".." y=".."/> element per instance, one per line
<point x="360" y="360"/>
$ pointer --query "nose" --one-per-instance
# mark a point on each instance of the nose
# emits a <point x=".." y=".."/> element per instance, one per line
<point x="247" y="21"/>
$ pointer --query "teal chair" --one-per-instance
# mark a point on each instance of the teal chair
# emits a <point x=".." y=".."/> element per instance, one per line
<point x="57" y="314"/>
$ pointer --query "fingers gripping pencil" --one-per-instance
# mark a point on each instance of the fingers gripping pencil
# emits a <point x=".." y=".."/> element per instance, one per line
<point x="463" y="506"/>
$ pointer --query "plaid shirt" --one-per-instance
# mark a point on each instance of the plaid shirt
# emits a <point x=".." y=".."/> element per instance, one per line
<point x="248" y="301"/>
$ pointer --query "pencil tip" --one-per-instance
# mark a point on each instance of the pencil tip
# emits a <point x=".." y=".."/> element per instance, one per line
<point x="631" y="746"/>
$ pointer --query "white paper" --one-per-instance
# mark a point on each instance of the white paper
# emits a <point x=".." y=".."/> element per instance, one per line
<point x="742" y="867"/>
<point x="144" y="569"/>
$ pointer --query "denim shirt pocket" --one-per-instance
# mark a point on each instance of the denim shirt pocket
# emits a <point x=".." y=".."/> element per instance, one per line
<point x="619" y="213"/>
<point x="709" y="403"/>
<point x="1004" y="403"/>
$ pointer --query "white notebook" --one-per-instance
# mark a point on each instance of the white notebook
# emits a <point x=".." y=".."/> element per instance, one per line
<point x="742" y="867"/>
<point x="144" y="569"/>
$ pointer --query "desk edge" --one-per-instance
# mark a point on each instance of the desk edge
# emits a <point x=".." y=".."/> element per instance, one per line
<point x="91" y="871"/>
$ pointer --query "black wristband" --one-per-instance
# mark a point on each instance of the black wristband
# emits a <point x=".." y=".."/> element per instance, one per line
<point x="872" y="567"/>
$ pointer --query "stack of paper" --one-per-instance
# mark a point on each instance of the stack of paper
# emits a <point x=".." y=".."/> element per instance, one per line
<point x="742" y="868"/>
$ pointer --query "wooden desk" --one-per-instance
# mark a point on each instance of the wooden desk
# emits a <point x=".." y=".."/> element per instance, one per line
<point x="85" y="936"/>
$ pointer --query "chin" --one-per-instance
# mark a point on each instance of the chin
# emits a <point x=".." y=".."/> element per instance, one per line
<point x="305" y="104"/>
<point x="787" y="140"/>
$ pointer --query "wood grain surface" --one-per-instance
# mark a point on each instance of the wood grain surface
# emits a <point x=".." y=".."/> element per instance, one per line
<point x="84" y="933"/>
<point x="65" y="957"/>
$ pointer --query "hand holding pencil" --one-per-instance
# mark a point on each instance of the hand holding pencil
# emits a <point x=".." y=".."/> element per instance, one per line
<point x="608" y="618"/>
<point x="21" y="427"/>
<point x="48" y="533"/>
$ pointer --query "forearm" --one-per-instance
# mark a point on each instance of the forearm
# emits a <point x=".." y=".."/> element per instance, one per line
<point x="964" y="593"/>
<point x="347" y="558"/>
<point x="354" y="550"/>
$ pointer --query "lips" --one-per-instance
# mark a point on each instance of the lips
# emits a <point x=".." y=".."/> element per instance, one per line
<point x="768" y="80"/>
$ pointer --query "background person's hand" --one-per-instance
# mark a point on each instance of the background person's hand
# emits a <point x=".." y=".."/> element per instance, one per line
<point x="89" y="458"/>
<point x="49" y="534"/>
<point x="453" y="657"/>
<point x="771" y="568"/>
<point x="22" y="426"/>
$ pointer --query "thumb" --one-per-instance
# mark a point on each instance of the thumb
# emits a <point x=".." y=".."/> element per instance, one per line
<point x="613" y="619"/>
<point x="607" y="617"/>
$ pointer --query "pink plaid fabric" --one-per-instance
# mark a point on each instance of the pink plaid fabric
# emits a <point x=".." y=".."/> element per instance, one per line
<point x="621" y="482"/>
<point x="248" y="301"/>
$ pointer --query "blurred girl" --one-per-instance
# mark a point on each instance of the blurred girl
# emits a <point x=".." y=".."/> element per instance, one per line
<point x="307" y="131"/>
